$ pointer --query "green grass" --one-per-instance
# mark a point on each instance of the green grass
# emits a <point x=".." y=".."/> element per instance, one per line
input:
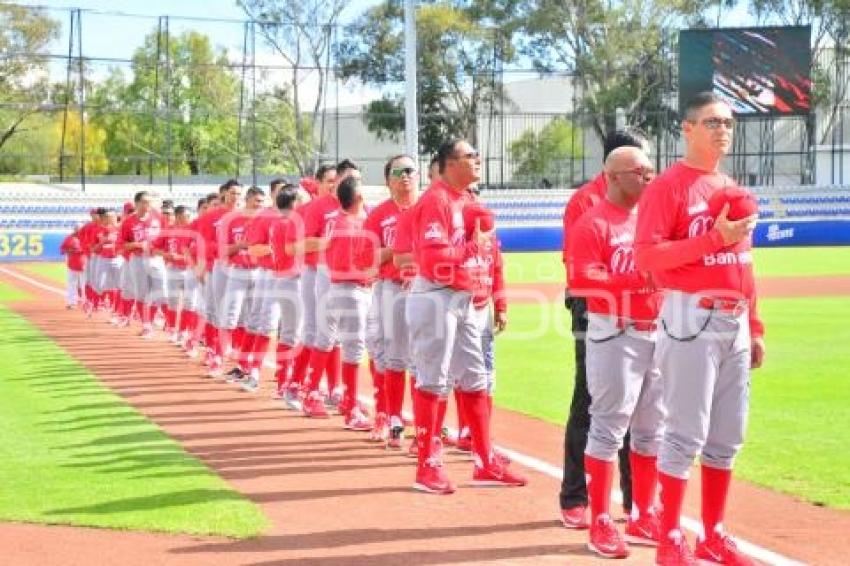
<point x="546" y="267"/>
<point x="72" y="452"/>
<point x="53" y="271"/>
<point x="12" y="293"/>
<point x="800" y="406"/>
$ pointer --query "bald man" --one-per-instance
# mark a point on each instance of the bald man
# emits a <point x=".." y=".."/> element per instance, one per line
<point x="623" y="382"/>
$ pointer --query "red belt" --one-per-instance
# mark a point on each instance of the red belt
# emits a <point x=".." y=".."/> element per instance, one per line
<point x="734" y="307"/>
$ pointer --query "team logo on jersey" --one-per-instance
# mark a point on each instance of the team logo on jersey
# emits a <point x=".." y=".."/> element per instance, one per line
<point x="626" y="238"/>
<point x="434" y="231"/>
<point x="623" y="260"/>
<point x="701" y="206"/>
<point x="388" y="234"/>
<point x="700" y="225"/>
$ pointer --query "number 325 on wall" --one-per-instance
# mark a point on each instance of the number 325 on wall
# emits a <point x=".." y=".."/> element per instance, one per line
<point x="21" y="245"/>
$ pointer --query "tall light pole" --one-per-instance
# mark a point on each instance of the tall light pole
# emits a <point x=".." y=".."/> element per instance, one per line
<point x="411" y="119"/>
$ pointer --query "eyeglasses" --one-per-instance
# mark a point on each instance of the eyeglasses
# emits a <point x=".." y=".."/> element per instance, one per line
<point x="474" y="154"/>
<point x="639" y="171"/>
<point x="715" y="123"/>
<point x="398" y="172"/>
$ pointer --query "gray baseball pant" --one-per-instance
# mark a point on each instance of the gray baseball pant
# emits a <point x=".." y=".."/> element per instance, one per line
<point x="175" y="287"/>
<point x="238" y="295"/>
<point x="484" y="321"/>
<point x="625" y="389"/>
<point x="342" y="317"/>
<point x="214" y="292"/>
<point x="308" y="299"/>
<point x="109" y="274"/>
<point x="288" y="289"/>
<point x="396" y="332"/>
<point x="444" y="338"/>
<point x="265" y="308"/>
<point x="158" y="277"/>
<point x="704" y="359"/>
<point x="374" y="327"/>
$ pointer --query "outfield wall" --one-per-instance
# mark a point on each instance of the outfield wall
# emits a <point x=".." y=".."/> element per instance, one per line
<point x="44" y="246"/>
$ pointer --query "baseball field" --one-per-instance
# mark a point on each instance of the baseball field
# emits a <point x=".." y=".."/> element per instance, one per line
<point x="100" y="429"/>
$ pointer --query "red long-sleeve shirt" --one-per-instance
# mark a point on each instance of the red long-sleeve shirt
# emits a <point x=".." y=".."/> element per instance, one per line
<point x="286" y="229"/>
<point x="586" y="197"/>
<point x="352" y="251"/>
<point x="258" y="233"/>
<point x="489" y="278"/>
<point x="677" y="242"/>
<point x="438" y="238"/>
<point x="106" y="237"/>
<point x="72" y="248"/>
<point x="140" y="230"/>
<point x="319" y="215"/>
<point x="233" y="230"/>
<point x="207" y="226"/>
<point x="602" y="265"/>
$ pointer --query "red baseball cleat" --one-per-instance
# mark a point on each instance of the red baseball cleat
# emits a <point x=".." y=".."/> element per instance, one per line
<point x="431" y="477"/>
<point x="464" y="443"/>
<point x="606" y="540"/>
<point x="673" y="550"/>
<point x="358" y="421"/>
<point x="644" y="530"/>
<point x="719" y="548"/>
<point x="314" y="406"/>
<point x="575" y="518"/>
<point x="381" y="429"/>
<point x="496" y="474"/>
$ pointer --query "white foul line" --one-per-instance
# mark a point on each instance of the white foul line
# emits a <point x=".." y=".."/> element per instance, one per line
<point x="693" y="525"/>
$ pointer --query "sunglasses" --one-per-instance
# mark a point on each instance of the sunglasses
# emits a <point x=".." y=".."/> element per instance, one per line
<point x="398" y="172"/>
<point x="716" y="123"/>
<point x="639" y="171"/>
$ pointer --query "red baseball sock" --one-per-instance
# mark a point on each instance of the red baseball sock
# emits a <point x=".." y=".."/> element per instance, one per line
<point x="441" y="413"/>
<point x="144" y="312"/>
<point x="600" y="477"/>
<point x="246" y="351"/>
<point x="170" y="318"/>
<point x="89" y="294"/>
<point x="425" y="413"/>
<point x="284" y="362"/>
<point x="317" y="365"/>
<point x="115" y="300"/>
<point x="259" y="349"/>
<point x="349" y="379"/>
<point x="461" y="413"/>
<point x="672" y="496"/>
<point x="209" y="331"/>
<point x="302" y="361"/>
<point x="185" y="320"/>
<point x="378" y="384"/>
<point x="334" y="369"/>
<point x="715" y="489"/>
<point x="394" y="384"/>
<point x="223" y="341"/>
<point x="644" y="480"/>
<point x="475" y="407"/>
<point x="127" y="307"/>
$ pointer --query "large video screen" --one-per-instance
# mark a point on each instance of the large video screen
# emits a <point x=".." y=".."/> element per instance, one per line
<point x="759" y="71"/>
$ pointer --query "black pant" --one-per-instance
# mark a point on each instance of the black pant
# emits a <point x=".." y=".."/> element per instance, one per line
<point x="573" y="486"/>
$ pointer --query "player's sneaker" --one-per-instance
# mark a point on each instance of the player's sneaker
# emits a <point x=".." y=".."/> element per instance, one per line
<point x="215" y="368"/>
<point x="606" y="540"/>
<point x="413" y="449"/>
<point x="432" y="478"/>
<point x="314" y="406"/>
<point x="643" y="530"/>
<point x="292" y="398"/>
<point x="358" y="421"/>
<point x="464" y="443"/>
<point x="146" y="333"/>
<point x="236" y="374"/>
<point x="334" y="399"/>
<point x="673" y="550"/>
<point x="380" y="429"/>
<point x="719" y="548"/>
<point x="446" y="438"/>
<point x="279" y="391"/>
<point x="575" y="518"/>
<point x="252" y="382"/>
<point x="113" y="320"/>
<point x="396" y="438"/>
<point x="496" y="474"/>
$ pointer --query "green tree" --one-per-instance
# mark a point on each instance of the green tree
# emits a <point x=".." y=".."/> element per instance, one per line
<point x="620" y="53"/>
<point x="24" y="33"/>
<point x="548" y="154"/>
<point x="460" y="47"/>
<point x="301" y="32"/>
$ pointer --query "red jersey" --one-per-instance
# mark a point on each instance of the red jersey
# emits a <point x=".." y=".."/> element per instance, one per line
<point x="173" y="242"/>
<point x="319" y="215"/>
<point x="383" y="223"/>
<point x="438" y="238"/>
<point x="489" y="278"/>
<point x="107" y="238"/>
<point x="693" y="258"/>
<point x="233" y="230"/>
<point x="207" y="225"/>
<point x="586" y="197"/>
<point x="286" y="229"/>
<point x="190" y="243"/>
<point x="258" y="233"/>
<point x="72" y="248"/>
<point x="352" y="251"/>
<point x="403" y="244"/>
<point x="602" y="265"/>
<point x="135" y="229"/>
<point x="87" y="236"/>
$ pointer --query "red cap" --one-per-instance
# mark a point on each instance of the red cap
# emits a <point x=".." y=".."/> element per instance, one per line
<point x="310" y="185"/>
<point x="741" y="203"/>
<point x="473" y="211"/>
<point x="128" y="207"/>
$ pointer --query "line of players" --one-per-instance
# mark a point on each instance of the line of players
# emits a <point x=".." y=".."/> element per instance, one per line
<point x="417" y="282"/>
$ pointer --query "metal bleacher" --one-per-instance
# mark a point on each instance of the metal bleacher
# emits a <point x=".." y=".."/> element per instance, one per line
<point x="60" y="208"/>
